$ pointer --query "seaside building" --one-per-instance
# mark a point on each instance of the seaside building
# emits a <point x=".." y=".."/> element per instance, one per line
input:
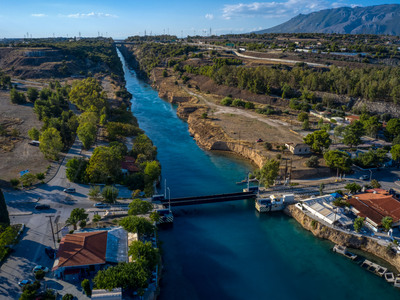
<point x="322" y="208"/>
<point x="298" y="149"/>
<point x="374" y="205"/>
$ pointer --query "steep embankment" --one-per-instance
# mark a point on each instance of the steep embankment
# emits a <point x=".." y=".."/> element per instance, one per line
<point x="342" y="238"/>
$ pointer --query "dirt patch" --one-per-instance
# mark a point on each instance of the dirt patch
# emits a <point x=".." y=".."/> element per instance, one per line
<point x="19" y="155"/>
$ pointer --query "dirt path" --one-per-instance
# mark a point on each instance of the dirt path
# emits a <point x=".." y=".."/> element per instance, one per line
<point x="236" y="111"/>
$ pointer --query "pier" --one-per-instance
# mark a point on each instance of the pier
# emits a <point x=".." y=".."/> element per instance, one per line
<point x="207" y="199"/>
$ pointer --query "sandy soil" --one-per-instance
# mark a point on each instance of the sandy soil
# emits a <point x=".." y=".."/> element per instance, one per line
<point x="23" y="156"/>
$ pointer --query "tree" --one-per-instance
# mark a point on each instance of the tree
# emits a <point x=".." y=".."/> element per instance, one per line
<point x="51" y="143"/>
<point x="372" y="158"/>
<point x="269" y="172"/>
<point x="86" y="287"/>
<point x="155" y="216"/>
<point x="28" y="179"/>
<point x="96" y="218"/>
<point x="312" y="162"/>
<point x="34" y="134"/>
<point x="143" y="145"/>
<point x="152" y="170"/>
<point x="338" y="131"/>
<point x="393" y="127"/>
<point x="375" y="184"/>
<point x="306" y="125"/>
<point x="352" y="187"/>
<point x="137" y="224"/>
<point x="126" y="275"/>
<point x="145" y="252"/>
<point x="77" y="214"/>
<point x="110" y="194"/>
<point x="358" y="224"/>
<point x="353" y="133"/>
<point x="321" y="188"/>
<point x="318" y="140"/>
<point x="88" y="94"/>
<point x="87" y="134"/>
<point x="104" y="165"/>
<point x="17" y="97"/>
<point x="336" y="159"/>
<point x="76" y="169"/>
<point x="4" y="217"/>
<point x="372" y="126"/>
<point x="302" y="116"/>
<point x="95" y="193"/>
<point x="139" y="207"/>
<point x="395" y="151"/>
<point x="32" y="94"/>
<point x="387" y="223"/>
<point x="68" y="297"/>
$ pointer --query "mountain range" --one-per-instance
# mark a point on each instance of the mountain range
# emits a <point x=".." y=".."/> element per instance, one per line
<point x="379" y="19"/>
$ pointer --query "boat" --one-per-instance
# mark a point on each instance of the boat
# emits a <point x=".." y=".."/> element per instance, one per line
<point x="343" y="250"/>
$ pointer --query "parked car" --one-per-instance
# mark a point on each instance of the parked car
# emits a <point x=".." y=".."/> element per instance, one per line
<point x="364" y="177"/>
<point x="40" y="268"/>
<point x="101" y="205"/>
<point x="69" y="190"/>
<point x="24" y="282"/>
<point x="42" y="206"/>
<point x="51" y="253"/>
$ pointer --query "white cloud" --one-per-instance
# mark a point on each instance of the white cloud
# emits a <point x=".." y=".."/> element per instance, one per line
<point x="91" y="15"/>
<point x="38" y="15"/>
<point x="273" y="9"/>
<point x="209" y="16"/>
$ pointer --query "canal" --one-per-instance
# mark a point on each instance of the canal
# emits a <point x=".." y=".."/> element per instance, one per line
<point x="227" y="250"/>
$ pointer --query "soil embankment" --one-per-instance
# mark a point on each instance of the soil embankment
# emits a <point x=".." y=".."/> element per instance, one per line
<point x="339" y="237"/>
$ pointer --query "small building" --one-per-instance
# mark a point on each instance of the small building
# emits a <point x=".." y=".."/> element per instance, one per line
<point x="128" y="165"/>
<point x="83" y="254"/>
<point x="352" y="118"/>
<point x="374" y="205"/>
<point x="298" y="149"/>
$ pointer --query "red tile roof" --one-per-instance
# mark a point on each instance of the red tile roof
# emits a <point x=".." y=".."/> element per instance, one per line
<point x="80" y="249"/>
<point x="129" y="164"/>
<point x="376" y="204"/>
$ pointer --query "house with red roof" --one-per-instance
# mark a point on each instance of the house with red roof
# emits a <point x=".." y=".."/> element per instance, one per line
<point x="128" y="165"/>
<point x="374" y="205"/>
<point x="83" y="254"/>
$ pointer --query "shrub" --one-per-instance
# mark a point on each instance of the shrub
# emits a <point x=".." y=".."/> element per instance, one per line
<point x="14" y="182"/>
<point x="86" y="287"/>
<point x="204" y="115"/>
<point x="227" y="101"/>
<point x="312" y="162"/>
<point x="40" y="176"/>
<point x="238" y="103"/>
<point x="249" y="105"/>
<point x="268" y="146"/>
<point x="39" y="275"/>
<point x="68" y="297"/>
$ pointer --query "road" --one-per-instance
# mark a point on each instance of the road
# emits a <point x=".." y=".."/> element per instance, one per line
<point x="29" y="252"/>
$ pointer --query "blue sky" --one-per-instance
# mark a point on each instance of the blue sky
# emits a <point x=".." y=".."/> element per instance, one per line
<point x="122" y="18"/>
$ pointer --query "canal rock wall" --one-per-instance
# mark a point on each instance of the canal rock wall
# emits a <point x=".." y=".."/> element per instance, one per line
<point x="342" y="238"/>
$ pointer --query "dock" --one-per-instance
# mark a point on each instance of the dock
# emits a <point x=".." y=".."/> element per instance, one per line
<point x="374" y="268"/>
<point x="343" y="250"/>
<point x="207" y="199"/>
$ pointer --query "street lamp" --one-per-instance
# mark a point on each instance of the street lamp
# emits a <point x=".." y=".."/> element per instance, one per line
<point x="370" y="176"/>
<point x="169" y="199"/>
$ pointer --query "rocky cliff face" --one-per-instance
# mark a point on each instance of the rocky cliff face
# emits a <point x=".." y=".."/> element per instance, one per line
<point x="363" y="243"/>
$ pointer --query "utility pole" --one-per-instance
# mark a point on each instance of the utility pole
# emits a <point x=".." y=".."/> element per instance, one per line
<point x="52" y="230"/>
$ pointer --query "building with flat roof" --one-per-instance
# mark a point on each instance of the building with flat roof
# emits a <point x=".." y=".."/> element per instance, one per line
<point x="374" y="205"/>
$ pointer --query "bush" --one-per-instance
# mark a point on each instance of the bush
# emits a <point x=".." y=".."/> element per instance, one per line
<point x="39" y="275"/>
<point x="86" y="287"/>
<point x="40" y="176"/>
<point x="249" y="105"/>
<point x="67" y="297"/>
<point x="312" y="162"/>
<point x="238" y="103"/>
<point x="14" y="182"/>
<point x="267" y="146"/>
<point x="227" y="101"/>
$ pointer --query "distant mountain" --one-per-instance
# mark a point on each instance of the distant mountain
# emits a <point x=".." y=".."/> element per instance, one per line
<point x="380" y="19"/>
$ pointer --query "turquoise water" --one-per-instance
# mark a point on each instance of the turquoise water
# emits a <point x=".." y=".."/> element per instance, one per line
<point x="227" y="250"/>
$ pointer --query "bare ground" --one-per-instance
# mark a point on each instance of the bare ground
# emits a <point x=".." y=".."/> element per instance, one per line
<point x="21" y="155"/>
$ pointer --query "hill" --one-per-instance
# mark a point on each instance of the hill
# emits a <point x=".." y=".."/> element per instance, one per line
<point x="379" y="19"/>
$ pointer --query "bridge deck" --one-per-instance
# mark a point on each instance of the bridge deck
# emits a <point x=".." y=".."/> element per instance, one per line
<point x="209" y="199"/>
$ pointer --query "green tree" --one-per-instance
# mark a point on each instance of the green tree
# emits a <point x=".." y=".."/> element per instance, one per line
<point x="387" y="223"/>
<point x="358" y="224"/>
<point x="152" y="170"/>
<point x="87" y="134"/>
<point x="17" y="97"/>
<point x="110" y="194"/>
<point x="34" y="134"/>
<point x="318" y="140"/>
<point x="139" y="207"/>
<point x="145" y="252"/>
<point x="143" y="145"/>
<point x="126" y="275"/>
<point x="77" y="215"/>
<point x="51" y="143"/>
<point x="86" y="287"/>
<point x="352" y="187"/>
<point x="68" y="297"/>
<point x="155" y="216"/>
<point x="336" y="159"/>
<point x="4" y="217"/>
<point x="375" y="184"/>
<point x="28" y="179"/>
<point x="395" y="151"/>
<point x="302" y="116"/>
<point x="372" y="126"/>
<point x="269" y="172"/>
<point x="137" y="224"/>
<point x="95" y="193"/>
<point x="88" y="95"/>
<point x="32" y="94"/>
<point x="393" y="127"/>
<point x="306" y="125"/>
<point x="104" y="165"/>
<point x="76" y="169"/>
<point x="353" y="133"/>
<point x="312" y="162"/>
